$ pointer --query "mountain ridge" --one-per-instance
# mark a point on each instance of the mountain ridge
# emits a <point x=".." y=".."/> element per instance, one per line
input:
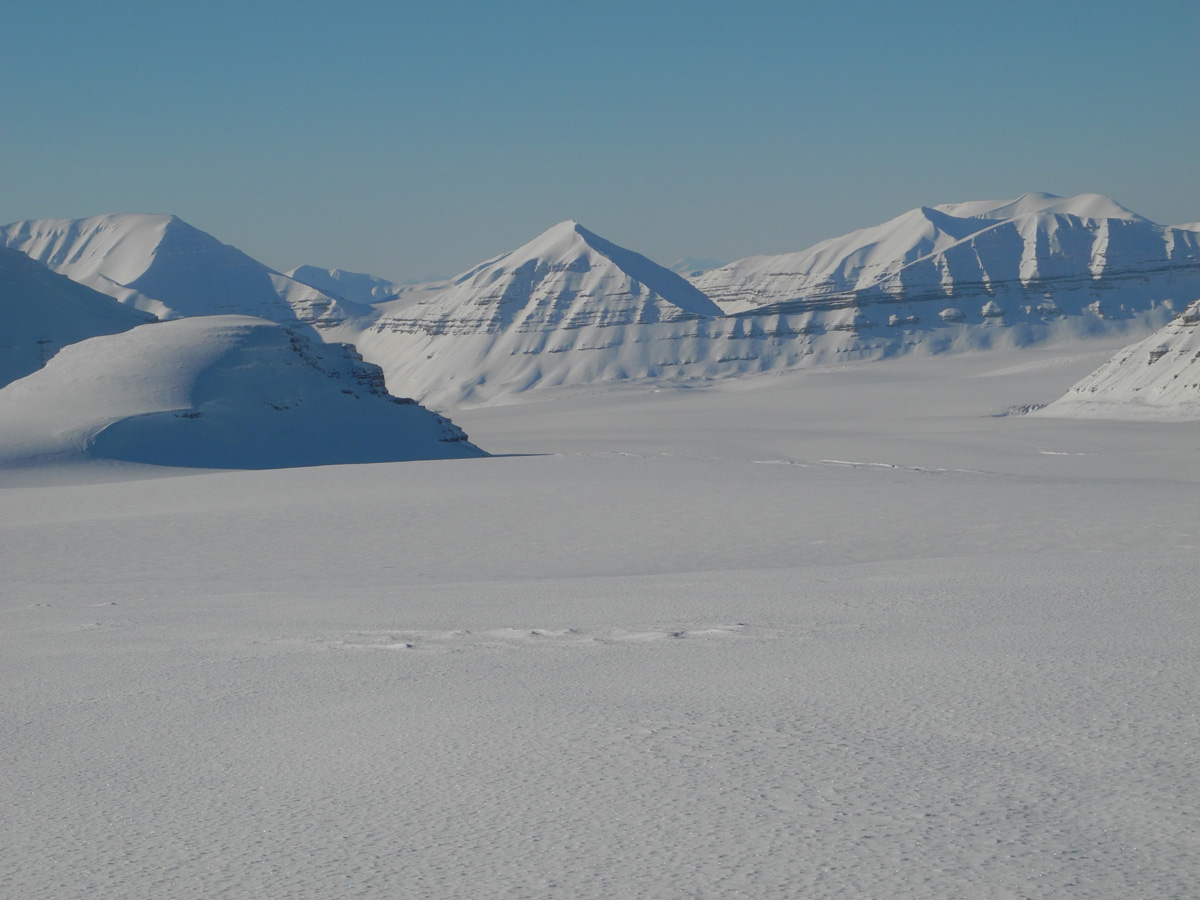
<point x="163" y="265"/>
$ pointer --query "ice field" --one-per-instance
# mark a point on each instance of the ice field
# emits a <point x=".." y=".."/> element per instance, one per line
<point x="840" y="632"/>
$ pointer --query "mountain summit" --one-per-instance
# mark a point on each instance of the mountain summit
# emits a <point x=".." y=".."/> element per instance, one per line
<point x="565" y="278"/>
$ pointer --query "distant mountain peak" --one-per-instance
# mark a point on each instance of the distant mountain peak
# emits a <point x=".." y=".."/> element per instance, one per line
<point x="162" y="264"/>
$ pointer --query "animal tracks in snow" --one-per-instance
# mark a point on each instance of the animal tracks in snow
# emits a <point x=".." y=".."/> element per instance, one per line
<point x="460" y="640"/>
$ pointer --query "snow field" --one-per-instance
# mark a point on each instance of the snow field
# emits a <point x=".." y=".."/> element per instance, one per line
<point x="848" y="633"/>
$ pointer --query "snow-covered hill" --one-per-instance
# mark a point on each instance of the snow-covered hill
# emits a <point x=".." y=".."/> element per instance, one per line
<point x="163" y="265"/>
<point x="216" y="392"/>
<point x="41" y="312"/>
<point x="1026" y="260"/>
<point x="1158" y="378"/>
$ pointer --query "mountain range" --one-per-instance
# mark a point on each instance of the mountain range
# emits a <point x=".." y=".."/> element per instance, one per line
<point x="572" y="308"/>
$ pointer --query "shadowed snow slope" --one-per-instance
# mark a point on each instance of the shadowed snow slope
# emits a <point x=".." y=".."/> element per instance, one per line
<point x="1028" y="259"/>
<point x="216" y="392"/>
<point x="165" y="266"/>
<point x="1158" y="378"/>
<point x="41" y="312"/>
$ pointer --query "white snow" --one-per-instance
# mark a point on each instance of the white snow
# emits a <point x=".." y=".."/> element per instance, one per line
<point x="1158" y="378"/>
<point x="214" y="392"/>
<point x="841" y="632"/>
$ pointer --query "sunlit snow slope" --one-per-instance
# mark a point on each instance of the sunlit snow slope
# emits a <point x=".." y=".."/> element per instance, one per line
<point x="215" y="392"/>
<point x="41" y="312"/>
<point x="165" y="266"/>
<point x="1158" y="378"/>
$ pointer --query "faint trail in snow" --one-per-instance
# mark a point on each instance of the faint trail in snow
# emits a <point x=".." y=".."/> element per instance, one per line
<point x="878" y="465"/>
<point x="460" y="640"/>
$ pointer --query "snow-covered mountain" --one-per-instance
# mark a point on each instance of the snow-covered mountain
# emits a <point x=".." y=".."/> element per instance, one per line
<point x="571" y="308"/>
<point x="568" y="307"/>
<point x="41" y="312"/>
<point x="163" y="265"/>
<point x="1027" y="260"/>
<point x="216" y="392"/>
<point x="357" y="287"/>
<point x="566" y="277"/>
<point x="1158" y="378"/>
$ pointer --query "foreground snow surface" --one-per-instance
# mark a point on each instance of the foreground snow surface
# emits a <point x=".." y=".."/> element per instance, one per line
<point x="835" y="633"/>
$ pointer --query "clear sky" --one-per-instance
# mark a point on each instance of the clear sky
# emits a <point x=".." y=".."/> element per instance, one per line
<point x="412" y="140"/>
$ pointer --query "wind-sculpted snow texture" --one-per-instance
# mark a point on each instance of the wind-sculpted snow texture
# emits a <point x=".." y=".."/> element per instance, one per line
<point x="1158" y="378"/>
<point x="165" y="266"/>
<point x="216" y="392"/>
<point x="42" y="312"/>
<point x="570" y="309"/>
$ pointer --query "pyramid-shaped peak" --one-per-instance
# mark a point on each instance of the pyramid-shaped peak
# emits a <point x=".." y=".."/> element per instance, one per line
<point x="568" y="246"/>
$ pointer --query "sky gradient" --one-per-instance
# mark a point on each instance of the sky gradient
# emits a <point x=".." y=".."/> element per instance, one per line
<point x="413" y="140"/>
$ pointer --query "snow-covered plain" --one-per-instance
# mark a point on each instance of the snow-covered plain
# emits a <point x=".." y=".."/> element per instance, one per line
<point x="839" y="632"/>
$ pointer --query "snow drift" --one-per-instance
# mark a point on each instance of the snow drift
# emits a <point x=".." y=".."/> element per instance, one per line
<point x="42" y="312"/>
<point x="1158" y="379"/>
<point x="216" y="392"/>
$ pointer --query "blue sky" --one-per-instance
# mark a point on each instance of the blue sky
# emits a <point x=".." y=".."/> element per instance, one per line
<point x="412" y="140"/>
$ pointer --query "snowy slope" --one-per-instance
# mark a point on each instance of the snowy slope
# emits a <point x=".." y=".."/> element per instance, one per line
<point x="1158" y="378"/>
<point x="357" y="287"/>
<point x="165" y="266"/>
<point x="215" y="392"/>
<point x="41" y="312"/>
<point x="1022" y="261"/>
